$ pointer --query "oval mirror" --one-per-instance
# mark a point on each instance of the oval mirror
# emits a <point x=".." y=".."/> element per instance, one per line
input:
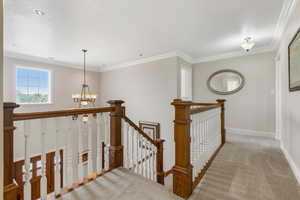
<point x="226" y="82"/>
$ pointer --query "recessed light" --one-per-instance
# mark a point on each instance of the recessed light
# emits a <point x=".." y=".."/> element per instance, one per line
<point x="39" y="12"/>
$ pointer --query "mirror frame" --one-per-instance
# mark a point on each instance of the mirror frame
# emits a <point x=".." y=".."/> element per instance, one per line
<point x="229" y="92"/>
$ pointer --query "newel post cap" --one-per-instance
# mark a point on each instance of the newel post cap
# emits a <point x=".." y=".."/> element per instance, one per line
<point x="179" y="102"/>
<point x="12" y="105"/>
<point x="221" y="100"/>
<point x="115" y="102"/>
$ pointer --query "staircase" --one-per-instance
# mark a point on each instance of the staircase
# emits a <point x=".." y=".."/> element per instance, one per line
<point x="120" y="184"/>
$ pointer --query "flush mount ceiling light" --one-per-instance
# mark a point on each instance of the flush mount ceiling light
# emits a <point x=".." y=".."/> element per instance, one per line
<point x="38" y="12"/>
<point x="248" y="44"/>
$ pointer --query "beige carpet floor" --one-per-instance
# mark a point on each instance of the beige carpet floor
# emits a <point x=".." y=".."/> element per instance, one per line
<point x="121" y="184"/>
<point x="248" y="171"/>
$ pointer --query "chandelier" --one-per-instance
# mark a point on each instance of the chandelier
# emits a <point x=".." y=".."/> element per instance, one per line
<point x="85" y="98"/>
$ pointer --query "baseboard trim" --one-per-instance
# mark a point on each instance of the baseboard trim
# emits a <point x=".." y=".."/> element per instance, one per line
<point x="291" y="162"/>
<point x="238" y="131"/>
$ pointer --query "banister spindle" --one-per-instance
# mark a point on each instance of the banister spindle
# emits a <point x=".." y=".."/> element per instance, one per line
<point x="57" y="179"/>
<point x="75" y="151"/>
<point x="126" y="144"/>
<point x="43" y="181"/>
<point x="131" y="148"/>
<point x="93" y="145"/>
<point x="67" y="155"/>
<point x="100" y="141"/>
<point x="137" y="169"/>
<point x="27" y="185"/>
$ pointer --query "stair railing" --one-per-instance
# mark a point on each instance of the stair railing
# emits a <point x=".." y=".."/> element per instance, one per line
<point x="88" y="143"/>
<point x="143" y="155"/>
<point x="73" y="158"/>
<point x="199" y="133"/>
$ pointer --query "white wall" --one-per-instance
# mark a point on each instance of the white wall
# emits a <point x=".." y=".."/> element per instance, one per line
<point x="252" y="109"/>
<point x="65" y="81"/>
<point x="289" y="114"/>
<point x="148" y="89"/>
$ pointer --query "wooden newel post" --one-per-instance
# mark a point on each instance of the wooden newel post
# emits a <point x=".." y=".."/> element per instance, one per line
<point x="10" y="189"/>
<point x="160" y="161"/>
<point x="182" y="171"/>
<point x="223" y="130"/>
<point x="116" y="147"/>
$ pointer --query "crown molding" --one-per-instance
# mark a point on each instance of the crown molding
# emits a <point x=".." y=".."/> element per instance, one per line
<point x="234" y="54"/>
<point x="24" y="57"/>
<point x="172" y="54"/>
<point x="285" y="14"/>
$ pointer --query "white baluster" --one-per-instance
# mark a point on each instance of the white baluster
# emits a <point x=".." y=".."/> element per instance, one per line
<point x="75" y="152"/>
<point x="43" y="181"/>
<point x="57" y="157"/>
<point x="27" y="185"/>
<point x="83" y="147"/>
<point x="67" y="155"/>
<point x="126" y="143"/>
<point x="100" y="139"/>
<point x="151" y="162"/>
<point x="107" y="139"/>
<point x="132" y="147"/>
<point x="154" y="164"/>
<point x="148" y="161"/>
<point x="137" y="152"/>
<point x="93" y="146"/>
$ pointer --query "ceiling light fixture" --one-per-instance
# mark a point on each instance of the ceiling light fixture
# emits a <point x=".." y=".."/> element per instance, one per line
<point x="39" y="12"/>
<point x="248" y="44"/>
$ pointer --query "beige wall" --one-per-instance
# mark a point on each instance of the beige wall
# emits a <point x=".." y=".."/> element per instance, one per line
<point x="65" y="81"/>
<point x="289" y="115"/>
<point x="253" y="108"/>
<point x="148" y="89"/>
<point x="1" y="98"/>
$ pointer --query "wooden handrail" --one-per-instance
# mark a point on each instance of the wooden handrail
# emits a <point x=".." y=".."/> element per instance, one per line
<point x="203" y="104"/>
<point x="203" y="109"/>
<point x="139" y="130"/>
<point x="60" y="113"/>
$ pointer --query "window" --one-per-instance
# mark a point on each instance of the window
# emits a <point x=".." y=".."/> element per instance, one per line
<point x="32" y="86"/>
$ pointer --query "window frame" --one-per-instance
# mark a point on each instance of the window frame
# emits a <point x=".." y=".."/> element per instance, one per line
<point x="50" y="88"/>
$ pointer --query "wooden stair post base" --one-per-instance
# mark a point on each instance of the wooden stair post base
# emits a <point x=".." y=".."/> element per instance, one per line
<point x="183" y="170"/>
<point x="116" y="147"/>
<point x="182" y="181"/>
<point x="11" y="192"/>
